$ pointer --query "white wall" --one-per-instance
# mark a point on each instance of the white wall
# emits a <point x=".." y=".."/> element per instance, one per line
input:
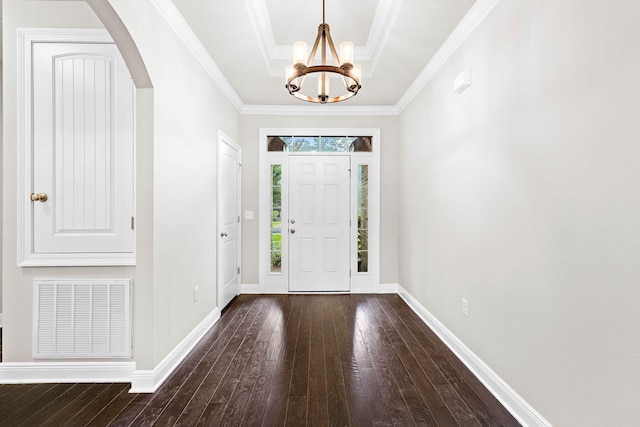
<point x="522" y="195"/>
<point x="250" y="127"/>
<point x="189" y="109"/>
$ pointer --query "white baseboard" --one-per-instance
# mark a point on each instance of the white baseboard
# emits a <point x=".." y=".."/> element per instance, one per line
<point x="66" y="372"/>
<point x="148" y="381"/>
<point x="382" y="288"/>
<point x="515" y="404"/>
<point x="0" y="320"/>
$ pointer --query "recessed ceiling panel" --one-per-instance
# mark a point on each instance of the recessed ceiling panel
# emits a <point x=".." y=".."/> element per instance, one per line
<point x="298" y="20"/>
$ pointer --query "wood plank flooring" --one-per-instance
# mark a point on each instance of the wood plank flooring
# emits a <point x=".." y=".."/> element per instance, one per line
<point x="292" y="360"/>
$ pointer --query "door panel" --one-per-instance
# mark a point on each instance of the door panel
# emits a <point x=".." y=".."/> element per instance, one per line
<point x="319" y="189"/>
<point x="228" y="221"/>
<point x="82" y="149"/>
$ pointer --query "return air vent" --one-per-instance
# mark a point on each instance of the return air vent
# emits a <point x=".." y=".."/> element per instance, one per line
<point x="82" y="318"/>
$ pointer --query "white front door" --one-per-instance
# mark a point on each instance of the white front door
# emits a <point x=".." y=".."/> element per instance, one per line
<point x="319" y="223"/>
<point x="82" y="156"/>
<point x="228" y="220"/>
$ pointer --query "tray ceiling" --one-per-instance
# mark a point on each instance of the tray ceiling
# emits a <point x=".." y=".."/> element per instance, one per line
<point x="251" y="41"/>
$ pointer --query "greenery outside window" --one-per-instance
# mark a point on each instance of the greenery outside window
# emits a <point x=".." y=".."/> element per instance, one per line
<point x="276" y="222"/>
<point x="320" y="144"/>
<point x="363" y="218"/>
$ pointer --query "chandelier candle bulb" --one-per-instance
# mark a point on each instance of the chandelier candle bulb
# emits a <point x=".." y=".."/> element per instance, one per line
<point x="357" y="72"/>
<point x="300" y="53"/>
<point x="290" y="72"/>
<point x="346" y="53"/>
<point x="323" y="91"/>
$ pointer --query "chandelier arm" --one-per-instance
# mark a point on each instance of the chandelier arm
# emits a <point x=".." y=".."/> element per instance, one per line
<point x="312" y="55"/>
<point x="324" y="44"/>
<point x="332" y="48"/>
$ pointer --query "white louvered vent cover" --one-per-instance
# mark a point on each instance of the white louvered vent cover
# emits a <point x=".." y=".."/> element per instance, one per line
<point x="82" y="318"/>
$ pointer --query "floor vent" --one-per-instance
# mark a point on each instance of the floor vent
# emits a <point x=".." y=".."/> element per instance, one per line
<point x="82" y="318"/>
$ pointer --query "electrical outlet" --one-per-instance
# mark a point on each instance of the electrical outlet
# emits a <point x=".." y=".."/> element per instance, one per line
<point x="465" y="307"/>
<point x="196" y="294"/>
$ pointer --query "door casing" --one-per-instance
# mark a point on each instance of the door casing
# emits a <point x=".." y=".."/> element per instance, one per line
<point x="270" y="282"/>
<point x="27" y="256"/>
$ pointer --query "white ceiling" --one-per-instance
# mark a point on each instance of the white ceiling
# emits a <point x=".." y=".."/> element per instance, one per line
<point x="251" y="41"/>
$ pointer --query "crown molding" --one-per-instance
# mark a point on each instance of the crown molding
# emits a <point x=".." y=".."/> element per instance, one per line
<point x="176" y="21"/>
<point x="261" y="23"/>
<point x="319" y="110"/>
<point x="383" y="22"/>
<point x="469" y="22"/>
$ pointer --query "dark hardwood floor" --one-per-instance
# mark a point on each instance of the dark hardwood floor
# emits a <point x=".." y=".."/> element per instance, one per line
<point x="295" y="360"/>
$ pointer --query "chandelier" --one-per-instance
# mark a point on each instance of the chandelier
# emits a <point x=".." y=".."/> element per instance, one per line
<point x="343" y="67"/>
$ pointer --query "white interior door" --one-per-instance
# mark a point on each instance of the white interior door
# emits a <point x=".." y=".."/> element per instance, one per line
<point x="229" y="158"/>
<point x="319" y="223"/>
<point x="82" y="157"/>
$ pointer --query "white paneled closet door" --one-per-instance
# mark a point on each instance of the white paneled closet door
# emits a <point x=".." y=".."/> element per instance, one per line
<point x="82" y="157"/>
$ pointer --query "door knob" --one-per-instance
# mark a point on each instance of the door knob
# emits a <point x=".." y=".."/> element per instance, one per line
<point x="223" y="234"/>
<point x="40" y="197"/>
<point x="293" y="221"/>
<point x="293" y="230"/>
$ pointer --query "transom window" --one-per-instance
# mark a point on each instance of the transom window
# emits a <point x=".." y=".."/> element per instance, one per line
<point x="320" y="144"/>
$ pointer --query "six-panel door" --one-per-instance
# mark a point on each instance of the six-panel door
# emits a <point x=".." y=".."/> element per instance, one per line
<point x="319" y="223"/>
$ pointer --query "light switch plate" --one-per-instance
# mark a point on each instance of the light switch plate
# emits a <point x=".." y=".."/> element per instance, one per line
<point x="248" y="214"/>
<point x="465" y="307"/>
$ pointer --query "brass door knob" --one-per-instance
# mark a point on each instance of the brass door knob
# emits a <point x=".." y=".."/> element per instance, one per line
<point x="40" y="197"/>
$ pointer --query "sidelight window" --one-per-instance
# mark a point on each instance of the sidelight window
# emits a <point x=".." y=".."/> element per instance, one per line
<point x="276" y="223"/>
<point x="363" y="218"/>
